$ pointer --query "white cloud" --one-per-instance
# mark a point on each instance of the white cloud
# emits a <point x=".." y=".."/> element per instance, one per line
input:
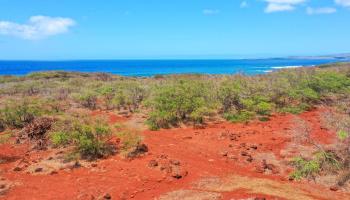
<point x="281" y="5"/>
<point x="38" y="27"/>
<point x="210" y="12"/>
<point x="244" y="4"/>
<point x="345" y="3"/>
<point x="325" y="10"/>
<point x="292" y="2"/>
<point x="272" y="7"/>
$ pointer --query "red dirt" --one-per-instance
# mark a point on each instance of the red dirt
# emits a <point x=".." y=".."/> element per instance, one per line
<point x="318" y="133"/>
<point x="201" y="152"/>
<point x="112" y="117"/>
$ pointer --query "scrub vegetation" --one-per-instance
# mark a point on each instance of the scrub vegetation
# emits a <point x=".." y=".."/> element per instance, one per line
<point x="167" y="101"/>
<point x="78" y="118"/>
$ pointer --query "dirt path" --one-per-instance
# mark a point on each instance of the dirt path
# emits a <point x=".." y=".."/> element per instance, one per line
<point x="222" y="161"/>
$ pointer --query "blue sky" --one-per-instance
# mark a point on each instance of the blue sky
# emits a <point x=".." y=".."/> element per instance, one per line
<point x="152" y="29"/>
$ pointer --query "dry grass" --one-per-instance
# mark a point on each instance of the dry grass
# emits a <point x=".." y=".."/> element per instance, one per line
<point x="265" y="186"/>
<point x="191" y="195"/>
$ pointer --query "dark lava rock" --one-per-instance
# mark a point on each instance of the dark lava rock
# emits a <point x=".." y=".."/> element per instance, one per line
<point x="178" y="173"/>
<point x="259" y="198"/>
<point x="259" y="169"/>
<point x="187" y="138"/>
<point x="139" y="150"/>
<point x="17" y="169"/>
<point x="152" y="164"/>
<point x="93" y="165"/>
<point x="250" y="159"/>
<point x="175" y="162"/>
<point x="76" y="165"/>
<point x="334" y="188"/>
<point x="53" y="173"/>
<point x="39" y="169"/>
<point x="2" y="126"/>
<point x="107" y="196"/>
<point x="224" y="153"/>
<point x="254" y="147"/>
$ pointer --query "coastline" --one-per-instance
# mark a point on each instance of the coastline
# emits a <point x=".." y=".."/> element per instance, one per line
<point x="149" y="68"/>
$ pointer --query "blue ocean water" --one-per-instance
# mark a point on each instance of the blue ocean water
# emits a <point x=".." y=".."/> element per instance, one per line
<point x="154" y="67"/>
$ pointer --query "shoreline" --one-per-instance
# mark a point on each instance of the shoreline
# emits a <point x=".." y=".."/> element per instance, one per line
<point x="263" y="72"/>
<point x="161" y="67"/>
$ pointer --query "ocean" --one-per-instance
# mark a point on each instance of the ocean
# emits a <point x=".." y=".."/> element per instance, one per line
<point x="158" y="67"/>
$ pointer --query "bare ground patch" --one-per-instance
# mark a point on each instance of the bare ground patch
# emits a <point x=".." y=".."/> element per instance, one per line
<point x="268" y="187"/>
<point x="191" y="195"/>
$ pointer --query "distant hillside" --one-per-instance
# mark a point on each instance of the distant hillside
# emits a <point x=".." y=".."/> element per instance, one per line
<point x="340" y="64"/>
<point x="344" y="56"/>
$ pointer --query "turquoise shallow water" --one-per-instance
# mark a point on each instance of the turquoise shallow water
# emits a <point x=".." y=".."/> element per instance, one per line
<point x="153" y="67"/>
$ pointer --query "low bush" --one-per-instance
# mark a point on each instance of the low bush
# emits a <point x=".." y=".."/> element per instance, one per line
<point x="230" y="94"/>
<point x="258" y="104"/>
<point x="48" y="75"/>
<point x="91" y="140"/>
<point x="305" y="168"/>
<point x="2" y="125"/>
<point x="5" y="137"/>
<point x="171" y="100"/>
<point x="181" y="101"/>
<point x="90" y="137"/>
<point x="264" y="119"/>
<point x="88" y="100"/>
<point x="107" y="93"/>
<point x="297" y="109"/>
<point x="330" y="82"/>
<point x="60" y="138"/>
<point x="17" y="114"/>
<point x="342" y="135"/>
<point x="129" y="140"/>
<point x="129" y="95"/>
<point x="322" y="161"/>
<point x="242" y="116"/>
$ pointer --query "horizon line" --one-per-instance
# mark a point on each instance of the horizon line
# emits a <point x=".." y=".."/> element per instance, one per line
<point x="324" y="56"/>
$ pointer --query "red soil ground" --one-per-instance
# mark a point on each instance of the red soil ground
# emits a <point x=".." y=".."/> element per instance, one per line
<point x="219" y="150"/>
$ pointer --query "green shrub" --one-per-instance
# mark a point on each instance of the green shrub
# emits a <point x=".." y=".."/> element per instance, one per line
<point x="264" y="108"/>
<point x="241" y="94"/>
<point x="330" y="82"/>
<point x="242" y="116"/>
<point x="88" y="100"/>
<point x="129" y="94"/>
<point x="2" y="125"/>
<point x="18" y="114"/>
<point x="61" y="138"/>
<point x="197" y="116"/>
<point x="5" y="137"/>
<point x="296" y="109"/>
<point x="342" y="135"/>
<point x="129" y="140"/>
<point x="108" y="94"/>
<point x="48" y="75"/>
<point x="308" y="95"/>
<point x="264" y="119"/>
<point x="229" y="95"/>
<point x="7" y="79"/>
<point x="311" y="168"/>
<point x="161" y="119"/>
<point x="305" y="168"/>
<point x="174" y="99"/>
<point x="90" y="140"/>
<point x="180" y="101"/>
<point x="89" y="136"/>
